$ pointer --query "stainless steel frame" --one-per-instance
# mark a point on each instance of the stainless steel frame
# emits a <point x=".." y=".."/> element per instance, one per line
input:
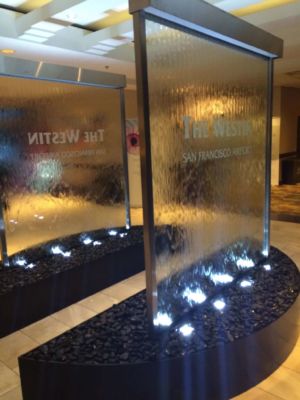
<point x="125" y="158"/>
<point x="146" y="168"/>
<point x="3" y="245"/>
<point x="19" y="68"/>
<point x="200" y="18"/>
<point x="268" y="160"/>
<point x="16" y="67"/>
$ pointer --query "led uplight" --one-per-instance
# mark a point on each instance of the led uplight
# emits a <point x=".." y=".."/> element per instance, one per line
<point x="186" y="330"/>
<point x="195" y="296"/>
<point x="219" y="304"/>
<point x="162" y="319"/>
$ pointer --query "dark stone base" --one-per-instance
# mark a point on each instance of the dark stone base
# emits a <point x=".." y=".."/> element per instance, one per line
<point x="114" y="355"/>
<point x="54" y="282"/>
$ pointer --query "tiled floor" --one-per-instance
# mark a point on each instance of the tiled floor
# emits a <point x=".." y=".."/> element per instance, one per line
<point x="285" y="200"/>
<point x="283" y="384"/>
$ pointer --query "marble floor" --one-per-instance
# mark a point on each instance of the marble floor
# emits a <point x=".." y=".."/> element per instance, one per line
<point x="285" y="200"/>
<point x="283" y="384"/>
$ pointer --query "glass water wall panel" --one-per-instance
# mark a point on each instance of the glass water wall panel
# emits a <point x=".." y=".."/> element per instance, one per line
<point x="61" y="160"/>
<point x="208" y="107"/>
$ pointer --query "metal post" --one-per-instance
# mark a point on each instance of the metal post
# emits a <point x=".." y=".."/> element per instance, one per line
<point x="146" y="167"/>
<point x="125" y="158"/>
<point x="3" y="245"/>
<point x="266" y="243"/>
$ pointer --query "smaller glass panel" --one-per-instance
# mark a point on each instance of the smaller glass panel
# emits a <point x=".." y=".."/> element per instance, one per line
<point x="61" y="160"/>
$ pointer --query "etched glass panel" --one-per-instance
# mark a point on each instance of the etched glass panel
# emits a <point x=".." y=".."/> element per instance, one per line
<point x="61" y="160"/>
<point x="208" y="107"/>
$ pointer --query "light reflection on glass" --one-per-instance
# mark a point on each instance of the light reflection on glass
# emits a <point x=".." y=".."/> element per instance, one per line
<point x="112" y="232"/>
<point x="267" y="267"/>
<point x="97" y="243"/>
<point x="39" y="216"/>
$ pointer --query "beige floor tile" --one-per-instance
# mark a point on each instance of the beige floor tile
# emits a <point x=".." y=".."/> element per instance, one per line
<point x="14" y="394"/>
<point x="73" y="315"/>
<point x="293" y="361"/>
<point x="14" y="345"/>
<point x="120" y="291"/>
<point x="137" y="281"/>
<point x="16" y="370"/>
<point x="98" y="302"/>
<point x="255" y="394"/>
<point x="45" y="329"/>
<point x="283" y="383"/>
<point x="8" y="379"/>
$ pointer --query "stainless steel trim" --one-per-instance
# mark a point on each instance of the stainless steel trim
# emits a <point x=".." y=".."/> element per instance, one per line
<point x="125" y="158"/>
<point x="268" y="159"/>
<point x="146" y="165"/>
<point x="16" y="67"/>
<point x="202" y="17"/>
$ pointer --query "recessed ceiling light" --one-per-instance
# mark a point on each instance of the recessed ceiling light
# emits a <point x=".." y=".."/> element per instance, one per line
<point x="39" y="32"/>
<point x="121" y="7"/>
<point x="12" y="3"/>
<point x="103" y="47"/>
<point x="128" y="35"/>
<point x="48" y="26"/>
<point x="32" y="38"/>
<point x="8" y="51"/>
<point x="84" y="13"/>
<point x="97" y="52"/>
<point x="112" y="42"/>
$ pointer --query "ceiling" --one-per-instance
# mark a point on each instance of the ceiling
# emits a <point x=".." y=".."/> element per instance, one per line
<point x="98" y="34"/>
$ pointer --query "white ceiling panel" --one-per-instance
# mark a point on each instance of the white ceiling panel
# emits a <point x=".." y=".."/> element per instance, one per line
<point x="12" y="3"/>
<point x="89" y="11"/>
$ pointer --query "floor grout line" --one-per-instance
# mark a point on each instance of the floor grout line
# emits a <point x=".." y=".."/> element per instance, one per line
<point x="272" y="394"/>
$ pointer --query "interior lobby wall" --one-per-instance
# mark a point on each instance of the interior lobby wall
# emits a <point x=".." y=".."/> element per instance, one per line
<point x="276" y="122"/>
<point x="290" y="111"/>
<point x="131" y="104"/>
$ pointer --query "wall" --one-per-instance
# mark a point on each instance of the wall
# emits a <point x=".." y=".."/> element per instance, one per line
<point x="133" y="147"/>
<point x="131" y="103"/>
<point x="276" y="123"/>
<point x="290" y="110"/>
